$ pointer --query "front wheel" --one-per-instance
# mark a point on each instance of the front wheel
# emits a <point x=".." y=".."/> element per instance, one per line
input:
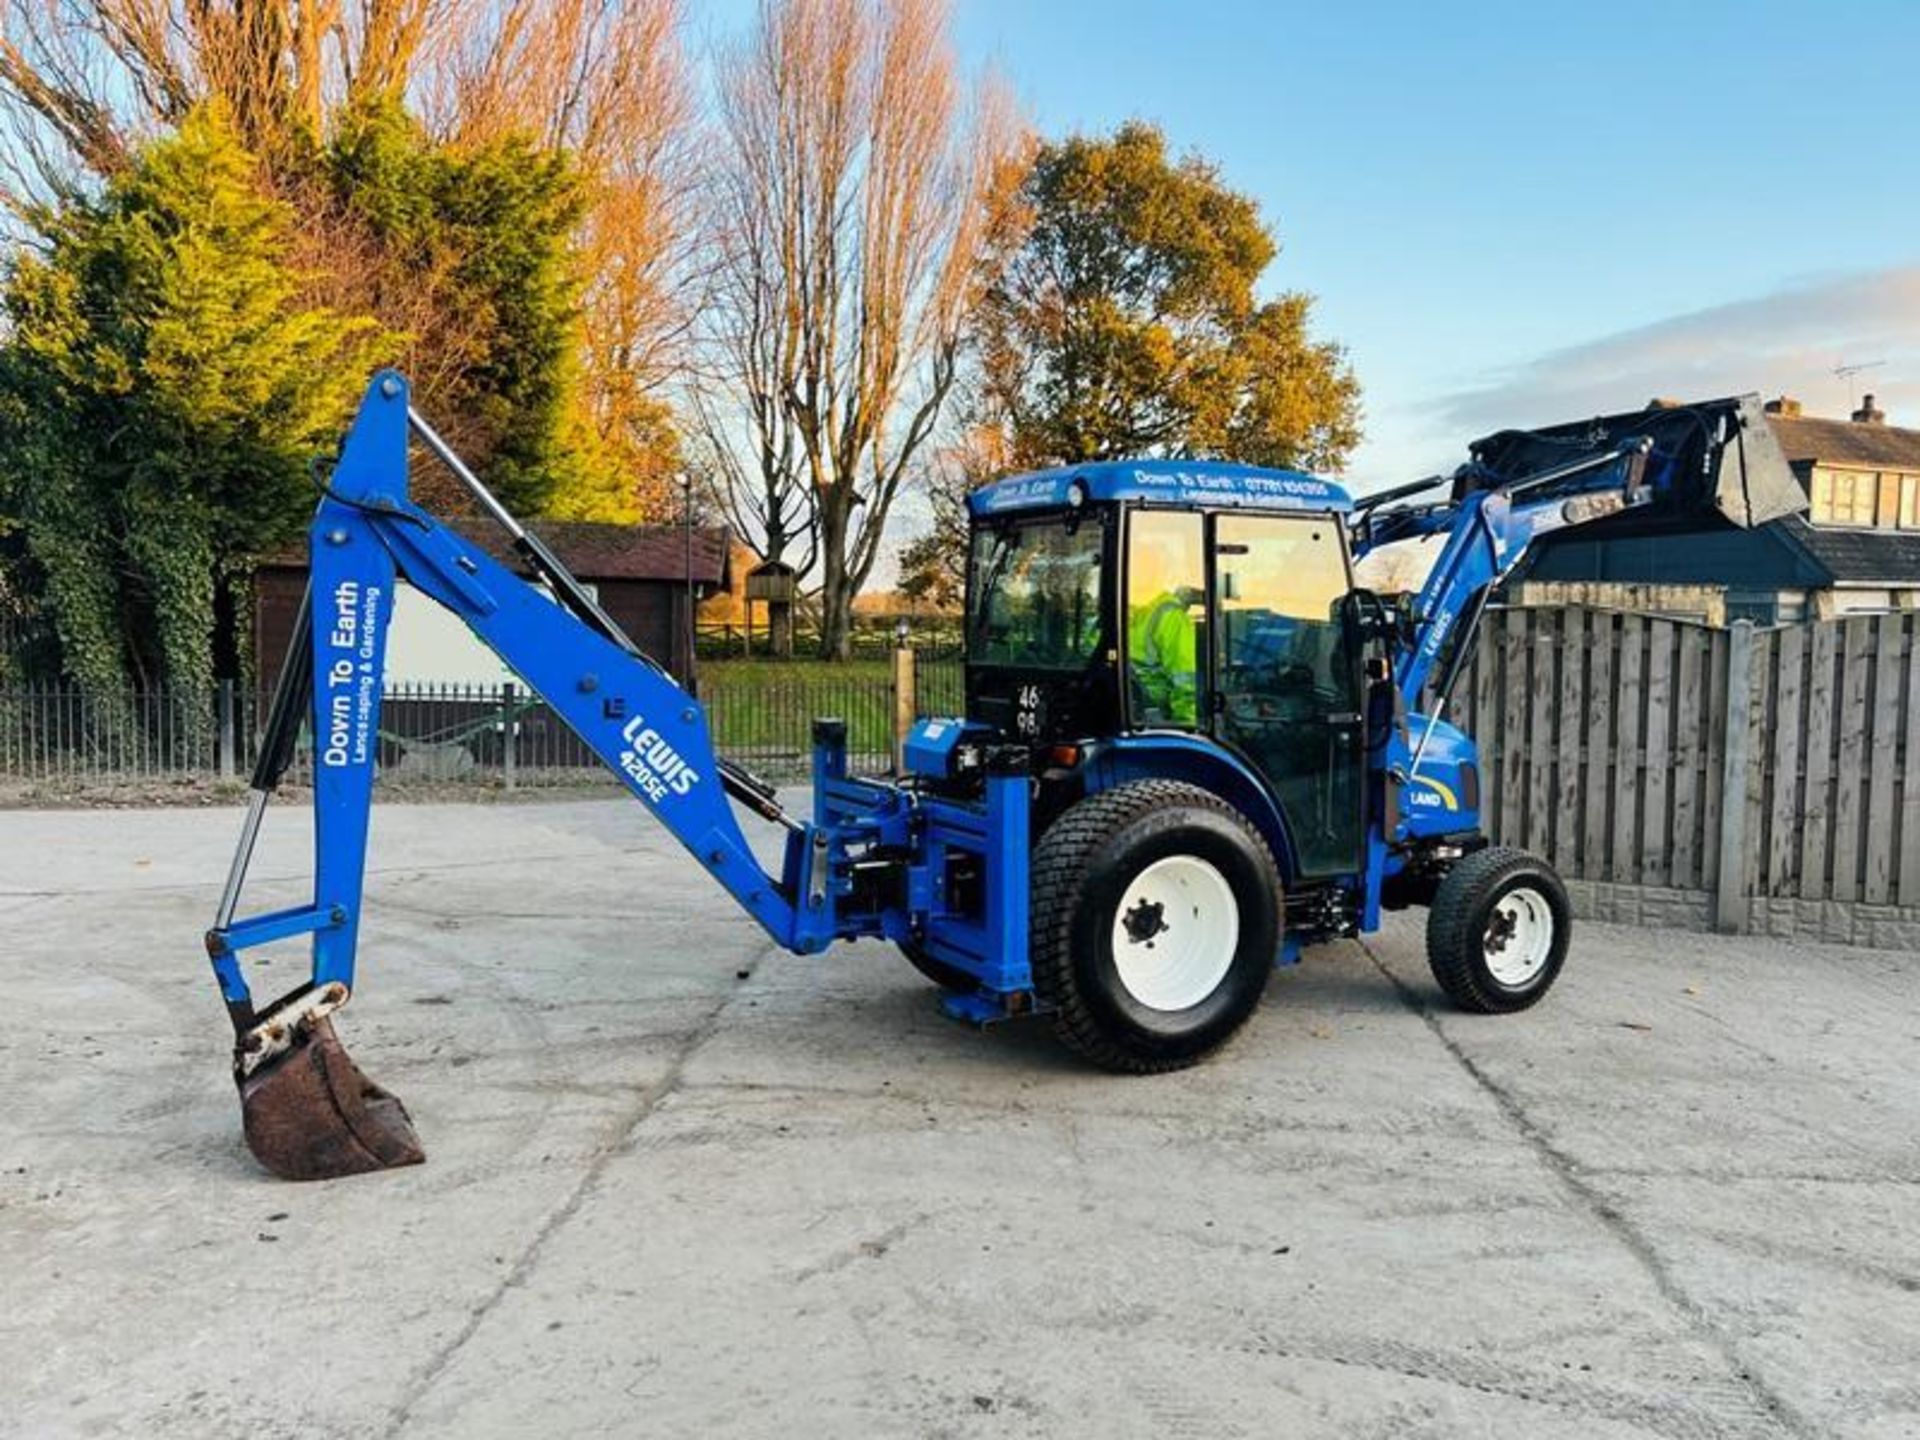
<point x="1497" y="931"/>
<point x="1156" y="918"/>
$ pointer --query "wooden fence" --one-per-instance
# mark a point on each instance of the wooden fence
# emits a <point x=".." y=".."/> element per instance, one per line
<point x="1752" y="764"/>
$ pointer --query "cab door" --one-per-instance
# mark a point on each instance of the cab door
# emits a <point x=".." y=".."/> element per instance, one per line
<point x="1286" y="688"/>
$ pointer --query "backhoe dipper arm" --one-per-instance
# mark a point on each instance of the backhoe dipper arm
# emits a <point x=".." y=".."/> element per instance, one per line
<point x="647" y="729"/>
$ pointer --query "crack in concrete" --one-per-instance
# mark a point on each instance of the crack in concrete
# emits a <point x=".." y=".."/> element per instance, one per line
<point x="1569" y="1173"/>
<point x="873" y="1248"/>
<point x="1716" y="1175"/>
<point x="1680" y="1420"/>
<point x="400" y="1413"/>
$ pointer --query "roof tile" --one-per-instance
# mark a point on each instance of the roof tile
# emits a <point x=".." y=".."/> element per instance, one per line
<point x="1847" y="442"/>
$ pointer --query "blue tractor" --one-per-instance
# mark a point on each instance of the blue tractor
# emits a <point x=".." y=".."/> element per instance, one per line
<point x="1192" y="745"/>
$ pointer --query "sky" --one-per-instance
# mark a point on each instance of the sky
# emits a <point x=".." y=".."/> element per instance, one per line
<point x="1515" y="214"/>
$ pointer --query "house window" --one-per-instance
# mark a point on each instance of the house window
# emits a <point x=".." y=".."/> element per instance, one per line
<point x="1845" y="497"/>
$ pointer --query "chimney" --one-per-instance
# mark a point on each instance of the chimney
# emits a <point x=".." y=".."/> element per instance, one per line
<point x="1786" y="407"/>
<point x="1867" y="415"/>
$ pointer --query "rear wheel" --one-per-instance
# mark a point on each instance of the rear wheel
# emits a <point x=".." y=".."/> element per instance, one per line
<point x="1156" y="919"/>
<point x="1498" y="930"/>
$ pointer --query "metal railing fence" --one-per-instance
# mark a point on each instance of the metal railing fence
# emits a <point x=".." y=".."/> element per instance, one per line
<point x="60" y="733"/>
<point x="761" y="712"/>
<point x="872" y="638"/>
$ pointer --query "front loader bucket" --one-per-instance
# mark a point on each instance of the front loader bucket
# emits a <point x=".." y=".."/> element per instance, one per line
<point x="311" y="1115"/>
<point x="1712" y="459"/>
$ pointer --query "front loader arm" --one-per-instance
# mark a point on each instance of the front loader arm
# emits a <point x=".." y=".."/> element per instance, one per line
<point x="365" y="537"/>
<point x="1488" y="531"/>
<point x="1704" y="459"/>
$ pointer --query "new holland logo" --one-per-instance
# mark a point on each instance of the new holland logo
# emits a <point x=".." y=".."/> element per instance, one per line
<point x="656" y="767"/>
<point x="1435" y="797"/>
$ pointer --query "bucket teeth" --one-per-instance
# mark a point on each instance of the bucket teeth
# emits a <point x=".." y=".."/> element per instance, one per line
<point x="310" y="1114"/>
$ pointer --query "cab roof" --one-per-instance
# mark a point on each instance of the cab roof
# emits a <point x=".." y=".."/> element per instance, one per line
<point x="1169" y="482"/>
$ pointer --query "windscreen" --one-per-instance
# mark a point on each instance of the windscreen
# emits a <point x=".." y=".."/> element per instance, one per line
<point x="1034" y="593"/>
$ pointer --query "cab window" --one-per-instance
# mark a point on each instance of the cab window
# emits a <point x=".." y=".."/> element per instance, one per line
<point x="1035" y="593"/>
<point x="1165" y="613"/>
<point x="1283" y="581"/>
<point x="1288" y="681"/>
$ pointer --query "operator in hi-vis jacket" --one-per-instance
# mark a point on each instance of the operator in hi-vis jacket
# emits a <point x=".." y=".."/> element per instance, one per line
<point x="1163" y="646"/>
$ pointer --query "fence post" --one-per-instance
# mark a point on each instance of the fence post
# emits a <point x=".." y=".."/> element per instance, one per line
<point x="1730" y="905"/>
<point x="903" y="704"/>
<point x="509" y="731"/>
<point x="226" y="731"/>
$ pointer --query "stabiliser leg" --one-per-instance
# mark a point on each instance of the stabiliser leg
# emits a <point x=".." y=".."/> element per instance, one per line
<point x="306" y="1109"/>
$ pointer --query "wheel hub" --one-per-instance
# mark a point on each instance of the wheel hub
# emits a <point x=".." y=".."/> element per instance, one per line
<point x="1518" y="937"/>
<point x="1146" y="920"/>
<point x="1499" y="931"/>
<point x="1175" y="933"/>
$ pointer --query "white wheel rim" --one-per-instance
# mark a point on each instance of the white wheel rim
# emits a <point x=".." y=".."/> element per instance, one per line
<point x="1519" y="937"/>
<point x="1175" y="933"/>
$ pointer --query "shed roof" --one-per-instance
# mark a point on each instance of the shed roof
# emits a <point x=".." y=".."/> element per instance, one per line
<point x="596" y="551"/>
<point x="1846" y="442"/>
<point x="1858" y="556"/>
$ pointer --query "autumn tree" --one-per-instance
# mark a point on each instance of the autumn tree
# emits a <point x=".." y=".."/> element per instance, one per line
<point x="464" y="253"/>
<point x="603" y="82"/>
<point x="1128" y="323"/>
<point x="864" y="206"/>
<point x="162" y="389"/>
<point x="593" y="88"/>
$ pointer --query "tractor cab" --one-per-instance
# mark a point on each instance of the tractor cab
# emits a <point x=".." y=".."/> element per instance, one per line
<point x="1156" y="604"/>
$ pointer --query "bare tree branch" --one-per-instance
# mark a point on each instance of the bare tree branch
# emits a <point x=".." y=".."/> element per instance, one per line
<point x="861" y="205"/>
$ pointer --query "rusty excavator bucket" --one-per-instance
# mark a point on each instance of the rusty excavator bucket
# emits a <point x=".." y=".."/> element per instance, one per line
<point x="308" y="1111"/>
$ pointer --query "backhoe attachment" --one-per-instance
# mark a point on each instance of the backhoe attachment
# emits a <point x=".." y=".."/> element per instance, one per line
<point x="308" y="1111"/>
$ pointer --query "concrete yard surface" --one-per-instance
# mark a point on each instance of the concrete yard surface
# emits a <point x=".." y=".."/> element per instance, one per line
<point x="681" y="1185"/>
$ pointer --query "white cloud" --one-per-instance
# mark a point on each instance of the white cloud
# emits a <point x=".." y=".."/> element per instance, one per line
<point x="1788" y="340"/>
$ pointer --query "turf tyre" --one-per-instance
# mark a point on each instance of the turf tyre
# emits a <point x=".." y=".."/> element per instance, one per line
<point x="1095" y="856"/>
<point x="1487" y="893"/>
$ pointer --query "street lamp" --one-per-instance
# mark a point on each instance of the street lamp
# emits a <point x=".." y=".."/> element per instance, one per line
<point x="686" y="516"/>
